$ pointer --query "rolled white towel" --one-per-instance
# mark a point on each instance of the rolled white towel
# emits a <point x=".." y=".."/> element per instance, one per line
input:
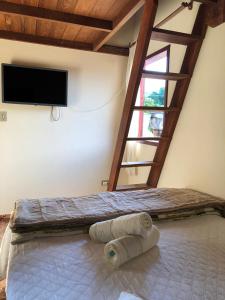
<point x="128" y="296"/>
<point x="123" y="249"/>
<point x="136" y="224"/>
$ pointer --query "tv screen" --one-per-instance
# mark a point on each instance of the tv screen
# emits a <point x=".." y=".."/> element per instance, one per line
<point x="25" y="85"/>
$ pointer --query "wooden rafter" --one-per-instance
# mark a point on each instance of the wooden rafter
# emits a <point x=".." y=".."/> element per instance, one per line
<point x="125" y="15"/>
<point x="179" y="95"/>
<point x="144" y="36"/>
<point x="63" y="33"/>
<point x="22" y="37"/>
<point x="55" y="16"/>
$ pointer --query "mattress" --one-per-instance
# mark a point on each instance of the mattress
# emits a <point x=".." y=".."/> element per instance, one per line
<point x="63" y="213"/>
<point x="188" y="263"/>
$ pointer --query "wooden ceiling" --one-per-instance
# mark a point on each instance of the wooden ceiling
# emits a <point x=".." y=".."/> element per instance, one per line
<point x="77" y="24"/>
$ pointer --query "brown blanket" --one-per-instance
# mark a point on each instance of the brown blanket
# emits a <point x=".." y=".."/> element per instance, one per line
<point x="58" y="213"/>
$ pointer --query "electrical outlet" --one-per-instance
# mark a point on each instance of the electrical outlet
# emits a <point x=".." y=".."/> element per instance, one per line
<point x="105" y="182"/>
<point x="3" y="116"/>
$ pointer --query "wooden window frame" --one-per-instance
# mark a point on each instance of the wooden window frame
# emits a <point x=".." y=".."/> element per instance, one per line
<point x="150" y="56"/>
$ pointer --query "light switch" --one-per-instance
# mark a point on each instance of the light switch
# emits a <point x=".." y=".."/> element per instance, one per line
<point x="105" y="182"/>
<point x="3" y="116"/>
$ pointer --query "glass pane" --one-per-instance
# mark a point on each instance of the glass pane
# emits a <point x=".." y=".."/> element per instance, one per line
<point x="139" y="151"/>
<point x="151" y="92"/>
<point x="157" y="64"/>
<point x="146" y="124"/>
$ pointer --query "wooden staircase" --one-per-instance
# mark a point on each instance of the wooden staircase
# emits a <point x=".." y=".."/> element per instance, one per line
<point x="193" y="42"/>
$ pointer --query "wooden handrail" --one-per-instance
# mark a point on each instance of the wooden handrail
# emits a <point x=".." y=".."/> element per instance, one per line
<point x="184" y="5"/>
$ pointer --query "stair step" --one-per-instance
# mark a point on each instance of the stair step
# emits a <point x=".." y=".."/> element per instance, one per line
<point x="175" y="37"/>
<point x="207" y="1"/>
<point x="135" y="164"/>
<point x="156" y="108"/>
<point x="141" y="186"/>
<point x="150" y="143"/>
<point x="163" y="75"/>
<point x="146" y="138"/>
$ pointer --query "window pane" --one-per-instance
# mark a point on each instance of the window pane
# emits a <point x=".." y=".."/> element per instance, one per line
<point x="157" y="63"/>
<point x="152" y="92"/>
<point x="146" y="124"/>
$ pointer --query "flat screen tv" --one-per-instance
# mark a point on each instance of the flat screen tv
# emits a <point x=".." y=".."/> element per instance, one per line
<point x="35" y="86"/>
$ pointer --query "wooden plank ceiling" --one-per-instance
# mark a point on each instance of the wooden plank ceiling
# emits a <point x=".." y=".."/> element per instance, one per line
<point x="82" y="24"/>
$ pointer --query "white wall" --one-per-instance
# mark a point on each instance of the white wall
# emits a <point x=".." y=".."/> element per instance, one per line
<point x="40" y="158"/>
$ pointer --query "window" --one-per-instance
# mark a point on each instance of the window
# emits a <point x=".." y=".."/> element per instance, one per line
<point x="152" y="93"/>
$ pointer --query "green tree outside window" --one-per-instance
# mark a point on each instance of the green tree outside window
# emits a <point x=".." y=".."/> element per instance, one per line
<point x="155" y="98"/>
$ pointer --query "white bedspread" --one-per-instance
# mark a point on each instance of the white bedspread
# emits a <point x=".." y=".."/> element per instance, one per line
<point x="188" y="264"/>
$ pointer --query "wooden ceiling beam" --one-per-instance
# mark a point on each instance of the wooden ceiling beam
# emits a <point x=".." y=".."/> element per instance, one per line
<point x="55" y="16"/>
<point x="22" y="37"/>
<point x="110" y="49"/>
<point x="132" y="7"/>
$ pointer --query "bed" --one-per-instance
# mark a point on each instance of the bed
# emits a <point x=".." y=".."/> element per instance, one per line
<point x="188" y="263"/>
